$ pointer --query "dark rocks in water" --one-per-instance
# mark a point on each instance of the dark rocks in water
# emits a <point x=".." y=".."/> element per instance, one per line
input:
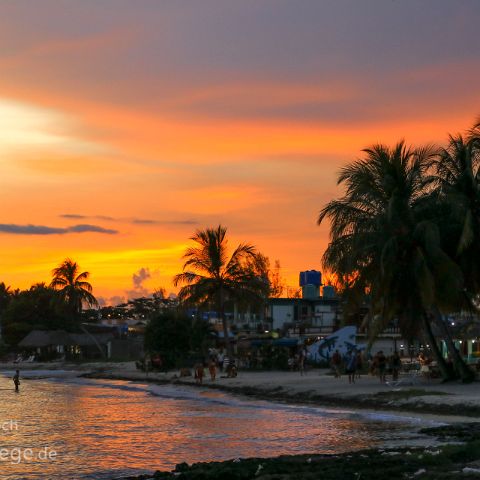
<point x="448" y="462"/>
<point x="468" y="431"/>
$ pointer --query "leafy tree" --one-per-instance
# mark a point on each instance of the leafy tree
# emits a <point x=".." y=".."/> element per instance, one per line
<point x="5" y="297"/>
<point x="212" y="276"/>
<point x="73" y="287"/>
<point x="384" y="245"/>
<point x="176" y="336"/>
<point x="35" y="308"/>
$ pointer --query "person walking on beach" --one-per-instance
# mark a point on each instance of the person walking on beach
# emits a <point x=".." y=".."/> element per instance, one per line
<point x="336" y="363"/>
<point x="351" y="366"/>
<point x="301" y="360"/>
<point x="212" y="368"/>
<point x="424" y="365"/>
<point x="16" y="379"/>
<point x="199" y="373"/>
<point x="396" y="364"/>
<point x="381" y="366"/>
<point x="221" y="360"/>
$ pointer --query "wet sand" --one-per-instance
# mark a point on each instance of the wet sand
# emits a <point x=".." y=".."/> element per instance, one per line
<point x="316" y="387"/>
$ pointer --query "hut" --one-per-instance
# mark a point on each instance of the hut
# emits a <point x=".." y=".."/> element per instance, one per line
<point x="46" y="344"/>
<point x="55" y="344"/>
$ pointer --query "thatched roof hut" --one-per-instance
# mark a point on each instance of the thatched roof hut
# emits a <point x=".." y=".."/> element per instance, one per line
<point x="44" y="338"/>
<point x="48" y="338"/>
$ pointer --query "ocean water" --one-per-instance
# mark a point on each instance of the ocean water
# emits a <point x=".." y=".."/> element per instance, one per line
<point x="64" y="427"/>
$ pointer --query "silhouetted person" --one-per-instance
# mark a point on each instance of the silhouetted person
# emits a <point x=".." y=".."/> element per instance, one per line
<point x="396" y="364"/>
<point x="381" y="365"/>
<point x="351" y="366"/>
<point x="337" y="363"/>
<point x="16" y="379"/>
<point x="212" y="368"/>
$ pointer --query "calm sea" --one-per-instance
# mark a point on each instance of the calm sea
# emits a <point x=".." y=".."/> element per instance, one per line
<point x="58" y="428"/>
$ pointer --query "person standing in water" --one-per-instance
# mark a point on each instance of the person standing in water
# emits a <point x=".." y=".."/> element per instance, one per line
<point x="16" y="379"/>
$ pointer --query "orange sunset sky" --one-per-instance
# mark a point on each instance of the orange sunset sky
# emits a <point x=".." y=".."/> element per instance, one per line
<point x="126" y="125"/>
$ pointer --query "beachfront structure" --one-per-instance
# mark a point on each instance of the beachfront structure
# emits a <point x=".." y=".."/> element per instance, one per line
<point x="50" y="344"/>
<point x="310" y="316"/>
<point x="319" y="313"/>
<point x="465" y="331"/>
<point x="59" y="344"/>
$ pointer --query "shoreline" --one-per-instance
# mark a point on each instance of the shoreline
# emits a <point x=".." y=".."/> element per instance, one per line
<point x="457" y="454"/>
<point x="449" y="403"/>
<point x="429" y="399"/>
<point x="316" y="388"/>
<point x="364" y="403"/>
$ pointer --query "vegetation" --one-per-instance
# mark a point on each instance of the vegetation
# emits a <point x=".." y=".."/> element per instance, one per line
<point x="213" y="277"/>
<point x="176" y="337"/>
<point x="406" y="233"/>
<point x="45" y="307"/>
<point x="73" y="287"/>
<point x="35" y="308"/>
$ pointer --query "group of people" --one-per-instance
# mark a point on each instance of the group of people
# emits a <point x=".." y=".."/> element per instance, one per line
<point x="379" y="364"/>
<point x="297" y="361"/>
<point x="352" y="361"/>
<point x="217" y="361"/>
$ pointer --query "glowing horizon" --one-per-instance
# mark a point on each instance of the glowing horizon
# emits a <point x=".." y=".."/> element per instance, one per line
<point x="122" y="133"/>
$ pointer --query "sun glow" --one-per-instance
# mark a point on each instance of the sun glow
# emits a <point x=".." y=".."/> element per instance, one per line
<point x="23" y="125"/>
<point x="29" y="130"/>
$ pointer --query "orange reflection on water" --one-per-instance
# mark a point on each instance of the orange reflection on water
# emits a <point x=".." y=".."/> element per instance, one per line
<point x="117" y="429"/>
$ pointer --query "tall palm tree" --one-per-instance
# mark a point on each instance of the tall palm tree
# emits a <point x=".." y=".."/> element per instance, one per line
<point x="384" y="244"/>
<point x="457" y="176"/>
<point x="210" y="275"/>
<point x="73" y="287"/>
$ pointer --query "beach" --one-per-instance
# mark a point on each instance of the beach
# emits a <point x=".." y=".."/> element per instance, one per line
<point x="318" y="386"/>
<point x="434" y="403"/>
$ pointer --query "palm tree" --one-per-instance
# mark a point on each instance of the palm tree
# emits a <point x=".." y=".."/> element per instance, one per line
<point x="457" y="176"/>
<point x="73" y="287"/>
<point x="210" y="275"/>
<point x="384" y="244"/>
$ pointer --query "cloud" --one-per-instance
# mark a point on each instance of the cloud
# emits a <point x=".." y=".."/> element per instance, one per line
<point x="44" y="230"/>
<point x="138" y="280"/>
<point x="90" y="228"/>
<point x="139" y="277"/>
<point x="111" y="301"/>
<point x="73" y="216"/>
<point x="140" y="221"/>
<point x="135" y="221"/>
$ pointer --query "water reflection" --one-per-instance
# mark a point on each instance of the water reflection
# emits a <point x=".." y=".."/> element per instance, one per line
<point x="108" y="430"/>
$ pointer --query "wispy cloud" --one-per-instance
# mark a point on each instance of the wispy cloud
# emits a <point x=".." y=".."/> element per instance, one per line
<point x="136" y="221"/>
<point x="140" y="221"/>
<point x="44" y="230"/>
<point x="73" y="216"/>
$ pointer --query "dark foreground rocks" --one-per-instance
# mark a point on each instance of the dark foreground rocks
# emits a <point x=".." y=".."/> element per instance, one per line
<point x="451" y="461"/>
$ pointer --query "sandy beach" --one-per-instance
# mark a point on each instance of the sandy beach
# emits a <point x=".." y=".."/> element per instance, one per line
<point x="318" y="386"/>
<point x="454" y="406"/>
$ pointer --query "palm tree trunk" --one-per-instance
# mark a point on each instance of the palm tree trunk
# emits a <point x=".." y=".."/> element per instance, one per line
<point x="224" y="319"/>
<point x="446" y="373"/>
<point x="466" y="374"/>
<point x="102" y="351"/>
